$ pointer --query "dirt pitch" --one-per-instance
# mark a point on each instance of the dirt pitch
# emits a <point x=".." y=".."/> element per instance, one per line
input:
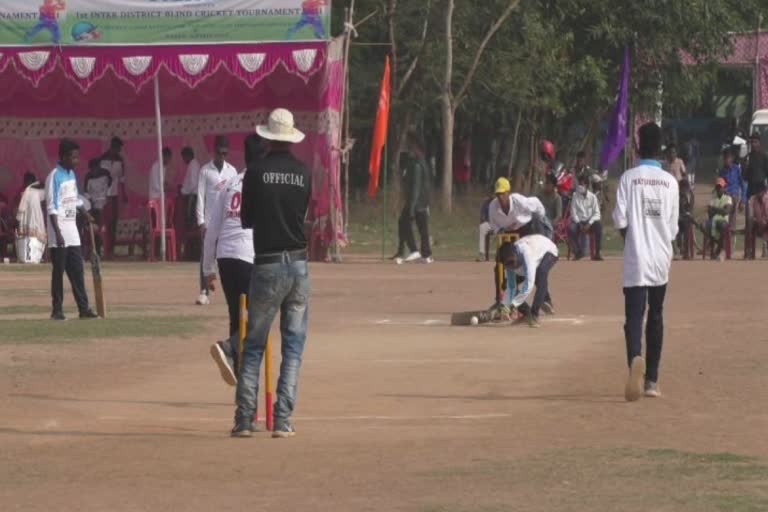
<point x="397" y="410"/>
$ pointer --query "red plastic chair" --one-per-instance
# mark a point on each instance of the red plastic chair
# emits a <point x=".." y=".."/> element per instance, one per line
<point x="155" y="231"/>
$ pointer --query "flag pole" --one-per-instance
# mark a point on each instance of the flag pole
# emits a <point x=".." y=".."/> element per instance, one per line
<point x="385" y="209"/>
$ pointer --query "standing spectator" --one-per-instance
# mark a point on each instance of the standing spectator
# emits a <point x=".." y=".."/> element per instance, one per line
<point x="462" y="166"/>
<point x="96" y="185"/>
<point x="113" y="162"/>
<point x="685" y="219"/>
<point x="734" y="185"/>
<point x="484" y="229"/>
<point x="156" y="178"/>
<point x="646" y="213"/>
<point x="755" y="171"/>
<point x="581" y="168"/>
<point x="62" y="203"/>
<point x="30" y="221"/>
<point x="553" y="203"/>
<point x="585" y="218"/>
<point x="212" y="180"/>
<point x="719" y="211"/>
<point x="189" y="185"/>
<point x="276" y="194"/>
<point x="758" y="206"/>
<point x="417" y="191"/>
<point x="674" y="165"/>
<point x="691" y="158"/>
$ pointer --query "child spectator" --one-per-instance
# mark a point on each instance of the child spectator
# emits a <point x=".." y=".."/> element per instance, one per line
<point x="685" y="219"/>
<point x="720" y="208"/>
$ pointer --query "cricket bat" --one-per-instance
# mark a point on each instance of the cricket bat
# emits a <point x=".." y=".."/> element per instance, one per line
<point x="98" y="287"/>
<point x="465" y="317"/>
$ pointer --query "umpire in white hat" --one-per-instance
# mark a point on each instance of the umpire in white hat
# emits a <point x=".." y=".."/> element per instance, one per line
<point x="276" y="195"/>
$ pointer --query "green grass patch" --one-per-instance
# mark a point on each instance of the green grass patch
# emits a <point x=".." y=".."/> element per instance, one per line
<point x="74" y="330"/>
<point x="615" y="479"/>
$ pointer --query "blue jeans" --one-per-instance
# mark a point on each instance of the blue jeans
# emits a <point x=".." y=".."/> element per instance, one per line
<point x="284" y="288"/>
<point x="45" y="23"/>
<point x="308" y="19"/>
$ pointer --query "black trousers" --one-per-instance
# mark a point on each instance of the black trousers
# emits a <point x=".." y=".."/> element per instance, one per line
<point x="634" y="303"/>
<point x="542" y="286"/>
<point x="235" y="280"/>
<point x="69" y="260"/>
<point x="405" y="232"/>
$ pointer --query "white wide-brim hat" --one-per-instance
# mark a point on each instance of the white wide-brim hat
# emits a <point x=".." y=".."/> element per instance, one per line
<point x="280" y="127"/>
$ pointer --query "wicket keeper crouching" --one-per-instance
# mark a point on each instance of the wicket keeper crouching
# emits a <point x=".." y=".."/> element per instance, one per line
<point x="531" y="258"/>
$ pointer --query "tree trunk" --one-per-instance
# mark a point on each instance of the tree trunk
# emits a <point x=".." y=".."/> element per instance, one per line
<point x="448" y="121"/>
<point x="448" y="111"/>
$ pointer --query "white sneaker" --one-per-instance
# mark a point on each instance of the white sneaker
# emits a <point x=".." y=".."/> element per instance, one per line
<point x="652" y="389"/>
<point x="399" y="261"/>
<point x="203" y="300"/>
<point x="428" y="260"/>
<point x="414" y="256"/>
<point x="634" y="388"/>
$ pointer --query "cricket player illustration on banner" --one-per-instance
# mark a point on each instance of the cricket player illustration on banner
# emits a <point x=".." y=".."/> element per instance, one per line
<point x="311" y="14"/>
<point x="48" y="20"/>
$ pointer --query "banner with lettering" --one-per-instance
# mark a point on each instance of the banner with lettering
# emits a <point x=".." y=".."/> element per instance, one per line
<point x="157" y="22"/>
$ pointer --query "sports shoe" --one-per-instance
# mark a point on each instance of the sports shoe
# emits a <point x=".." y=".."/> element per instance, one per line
<point x="88" y="314"/>
<point x="597" y="257"/>
<point x="652" y="389"/>
<point x="548" y="308"/>
<point x="414" y="256"/>
<point x="428" y="260"/>
<point x="203" y="299"/>
<point x="634" y="388"/>
<point x="399" y="261"/>
<point x="224" y="364"/>
<point x="480" y="257"/>
<point x="533" y="322"/>
<point x="240" y="430"/>
<point x="58" y="315"/>
<point x="283" y="430"/>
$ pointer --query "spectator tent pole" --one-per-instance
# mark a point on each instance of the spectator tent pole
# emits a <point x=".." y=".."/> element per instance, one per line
<point x="159" y="122"/>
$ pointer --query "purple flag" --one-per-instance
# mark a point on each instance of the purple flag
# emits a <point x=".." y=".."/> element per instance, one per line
<point x="616" y="138"/>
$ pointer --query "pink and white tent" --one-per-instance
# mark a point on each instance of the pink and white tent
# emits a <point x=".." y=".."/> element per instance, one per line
<point x="92" y="93"/>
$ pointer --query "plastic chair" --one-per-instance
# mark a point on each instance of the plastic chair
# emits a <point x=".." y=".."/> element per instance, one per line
<point x="155" y="231"/>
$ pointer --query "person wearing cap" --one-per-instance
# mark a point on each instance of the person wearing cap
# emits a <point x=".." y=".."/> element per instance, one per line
<point x="114" y="162"/>
<point x="719" y="212"/>
<point x="515" y="213"/>
<point x="276" y="193"/>
<point x="531" y="258"/>
<point x="646" y="213"/>
<point x="211" y="182"/>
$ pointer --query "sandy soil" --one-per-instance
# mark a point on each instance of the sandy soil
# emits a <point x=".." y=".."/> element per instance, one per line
<point x="398" y="410"/>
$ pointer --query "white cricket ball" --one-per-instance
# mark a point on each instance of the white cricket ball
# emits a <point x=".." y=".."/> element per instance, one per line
<point x="474" y="320"/>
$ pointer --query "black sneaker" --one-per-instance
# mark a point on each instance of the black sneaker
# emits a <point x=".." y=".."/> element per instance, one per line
<point x="283" y="429"/>
<point x="88" y="314"/>
<point x="58" y="315"/>
<point x="597" y="257"/>
<point x="240" y="430"/>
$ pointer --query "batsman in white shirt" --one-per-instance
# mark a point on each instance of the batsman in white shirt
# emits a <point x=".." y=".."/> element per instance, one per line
<point x="646" y="213"/>
<point x="230" y="247"/>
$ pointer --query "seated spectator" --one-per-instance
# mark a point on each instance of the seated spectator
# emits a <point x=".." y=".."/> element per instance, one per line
<point x="758" y="208"/>
<point x="553" y="203"/>
<point x="485" y="228"/>
<point x="719" y="210"/>
<point x="685" y="219"/>
<point x="585" y="218"/>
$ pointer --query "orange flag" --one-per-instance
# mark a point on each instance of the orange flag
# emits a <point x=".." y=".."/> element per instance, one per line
<point x="379" y="133"/>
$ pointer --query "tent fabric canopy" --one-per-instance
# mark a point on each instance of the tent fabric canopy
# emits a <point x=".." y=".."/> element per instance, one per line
<point x="93" y="93"/>
<point x="137" y="65"/>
